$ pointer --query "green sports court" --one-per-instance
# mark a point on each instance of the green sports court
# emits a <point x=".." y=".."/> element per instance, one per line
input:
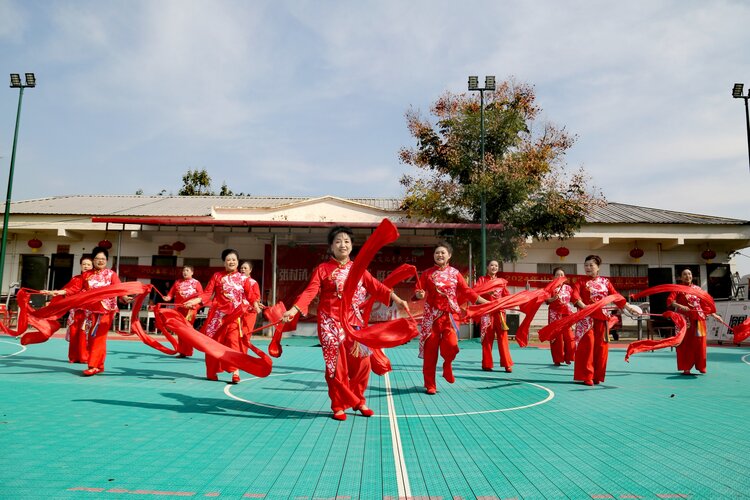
<point x="151" y="426"/>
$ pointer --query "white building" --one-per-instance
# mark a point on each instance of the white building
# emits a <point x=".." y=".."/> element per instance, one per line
<point x="153" y="236"/>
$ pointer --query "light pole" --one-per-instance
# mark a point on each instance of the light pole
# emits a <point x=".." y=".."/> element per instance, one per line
<point x="15" y="83"/>
<point x="737" y="94"/>
<point x="489" y="84"/>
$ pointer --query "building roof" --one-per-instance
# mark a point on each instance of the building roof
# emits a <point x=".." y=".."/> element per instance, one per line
<point x="201" y="206"/>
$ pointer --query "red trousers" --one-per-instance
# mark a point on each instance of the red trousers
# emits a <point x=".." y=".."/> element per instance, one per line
<point x="692" y="351"/>
<point x="591" y="354"/>
<point x="231" y="335"/>
<point x="183" y="347"/>
<point x="495" y="330"/>
<point x="347" y="387"/>
<point x="563" y="347"/>
<point x="101" y="323"/>
<point x="442" y="339"/>
<point x="78" y="348"/>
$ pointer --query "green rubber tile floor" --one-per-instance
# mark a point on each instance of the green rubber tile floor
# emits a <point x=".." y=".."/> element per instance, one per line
<point x="151" y="426"/>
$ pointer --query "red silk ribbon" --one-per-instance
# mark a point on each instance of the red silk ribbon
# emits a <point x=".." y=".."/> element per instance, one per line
<point x="652" y="345"/>
<point x="555" y="328"/>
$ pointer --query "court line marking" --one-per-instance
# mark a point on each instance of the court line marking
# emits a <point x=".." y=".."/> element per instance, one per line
<point x="745" y="360"/>
<point x="402" y="476"/>
<point x="23" y="348"/>
<point x="550" y="396"/>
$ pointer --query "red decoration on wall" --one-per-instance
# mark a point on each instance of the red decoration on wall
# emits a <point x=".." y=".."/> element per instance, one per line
<point x="178" y="246"/>
<point x="105" y="244"/>
<point x="636" y="253"/>
<point x="708" y="254"/>
<point x="34" y="243"/>
<point x="562" y="252"/>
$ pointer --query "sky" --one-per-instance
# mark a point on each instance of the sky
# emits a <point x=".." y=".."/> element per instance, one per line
<point x="307" y="98"/>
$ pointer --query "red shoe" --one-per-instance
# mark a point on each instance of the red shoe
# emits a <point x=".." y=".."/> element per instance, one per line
<point x="212" y="377"/>
<point x="235" y="378"/>
<point x="508" y="369"/>
<point x="686" y="372"/>
<point x="431" y="391"/>
<point x="588" y="382"/>
<point x="596" y="382"/>
<point x="702" y="370"/>
<point x="568" y="362"/>
<point x="487" y="369"/>
<point x="448" y="373"/>
<point x="366" y="412"/>
<point x="557" y="364"/>
<point x="91" y="371"/>
<point x="339" y="416"/>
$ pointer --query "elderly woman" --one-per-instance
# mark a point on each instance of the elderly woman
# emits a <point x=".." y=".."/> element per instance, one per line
<point x="592" y="333"/>
<point x="692" y="351"/>
<point x="443" y="290"/>
<point x="347" y="362"/>
<point x="231" y="297"/>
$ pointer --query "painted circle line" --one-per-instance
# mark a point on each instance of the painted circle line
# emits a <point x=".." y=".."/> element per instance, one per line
<point x="23" y="348"/>
<point x="550" y="396"/>
<point x="746" y="361"/>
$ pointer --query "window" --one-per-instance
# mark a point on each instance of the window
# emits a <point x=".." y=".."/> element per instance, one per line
<point x="547" y="268"/>
<point x="628" y="271"/>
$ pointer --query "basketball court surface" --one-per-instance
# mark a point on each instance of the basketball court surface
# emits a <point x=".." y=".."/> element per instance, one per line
<point x="151" y="426"/>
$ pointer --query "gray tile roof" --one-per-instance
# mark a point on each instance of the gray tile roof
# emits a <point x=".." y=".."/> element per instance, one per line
<point x="187" y="206"/>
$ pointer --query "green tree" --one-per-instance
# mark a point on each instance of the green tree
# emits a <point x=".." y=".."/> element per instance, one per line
<point x="527" y="187"/>
<point x="196" y="183"/>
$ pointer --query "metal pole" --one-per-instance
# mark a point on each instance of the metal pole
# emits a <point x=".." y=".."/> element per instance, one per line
<point x="483" y="202"/>
<point x="747" y="121"/>
<point x="10" y="189"/>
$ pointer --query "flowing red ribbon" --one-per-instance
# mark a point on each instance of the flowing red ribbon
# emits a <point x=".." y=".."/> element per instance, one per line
<point x="379" y="362"/>
<point x="44" y="320"/>
<point x="528" y="302"/>
<point x="652" y="345"/>
<point x="555" y="328"/>
<point x="702" y="294"/>
<point x="390" y="333"/>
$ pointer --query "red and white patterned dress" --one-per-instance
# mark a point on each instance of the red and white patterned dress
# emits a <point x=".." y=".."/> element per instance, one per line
<point x="347" y="362"/>
<point x="692" y="351"/>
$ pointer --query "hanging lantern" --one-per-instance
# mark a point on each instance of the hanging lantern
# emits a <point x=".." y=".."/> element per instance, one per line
<point x="636" y="253"/>
<point x="105" y="244"/>
<point x="35" y="244"/>
<point x="562" y="252"/>
<point x="178" y="247"/>
<point x="708" y="254"/>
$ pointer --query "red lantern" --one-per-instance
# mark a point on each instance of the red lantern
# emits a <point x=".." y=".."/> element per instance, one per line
<point x="35" y="244"/>
<point x="562" y="252"/>
<point x="178" y="246"/>
<point x="708" y="254"/>
<point x="636" y="253"/>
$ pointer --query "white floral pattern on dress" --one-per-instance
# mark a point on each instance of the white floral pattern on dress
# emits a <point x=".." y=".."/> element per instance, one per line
<point x="98" y="279"/>
<point x="598" y="289"/>
<point x="232" y="288"/>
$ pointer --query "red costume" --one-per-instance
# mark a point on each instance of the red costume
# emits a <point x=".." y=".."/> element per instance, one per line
<point x="562" y="346"/>
<point x="347" y="361"/>
<point x="592" y="332"/>
<point x="444" y="289"/>
<point x="101" y="315"/>
<point x="78" y="319"/>
<point x="231" y="297"/>
<point x="493" y="326"/>
<point x="182" y="291"/>
<point x="252" y="315"/>
<point x="692" y="351"/>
